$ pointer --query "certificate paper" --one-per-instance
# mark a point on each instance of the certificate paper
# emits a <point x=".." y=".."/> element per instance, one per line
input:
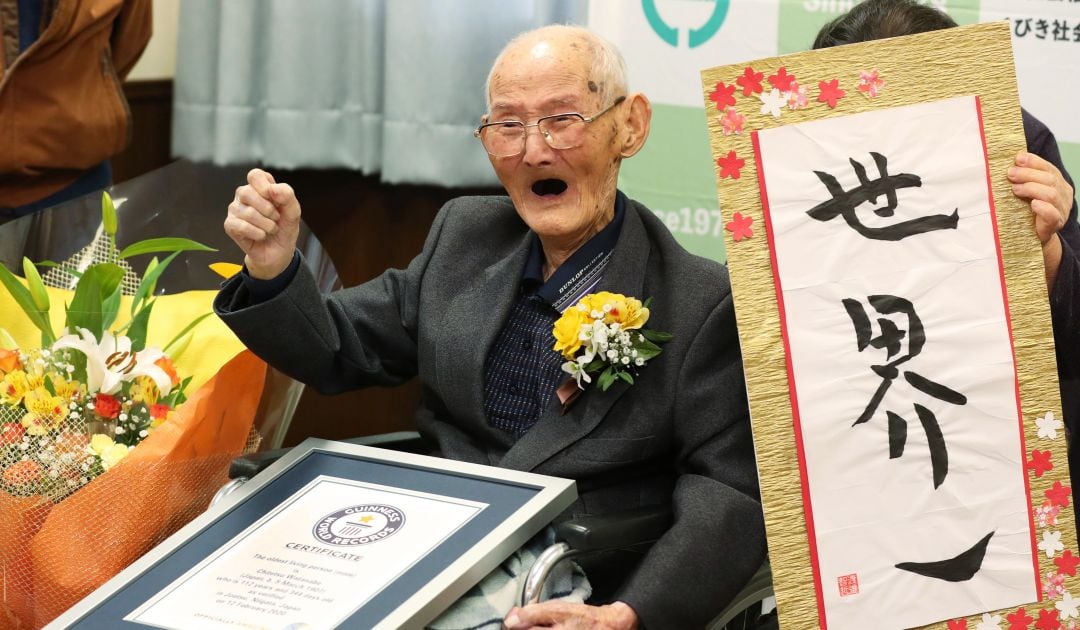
<point x="312" y="562"/>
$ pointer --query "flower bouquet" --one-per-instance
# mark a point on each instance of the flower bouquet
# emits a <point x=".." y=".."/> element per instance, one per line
<point x="102" y="454"/>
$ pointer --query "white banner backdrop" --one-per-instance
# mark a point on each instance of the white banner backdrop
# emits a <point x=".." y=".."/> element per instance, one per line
<point x="668" y="42"/>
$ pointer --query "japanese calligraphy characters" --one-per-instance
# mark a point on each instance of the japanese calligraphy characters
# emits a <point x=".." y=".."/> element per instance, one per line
<point x="892" y="339"/>
<point x="900" y="363"/>
<point x="845" y="202"/>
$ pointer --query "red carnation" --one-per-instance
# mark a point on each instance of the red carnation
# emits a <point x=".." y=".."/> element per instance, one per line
<point x="106" y="406"/>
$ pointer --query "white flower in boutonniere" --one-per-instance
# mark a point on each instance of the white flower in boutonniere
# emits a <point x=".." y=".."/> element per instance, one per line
<point x="605" y="333"/>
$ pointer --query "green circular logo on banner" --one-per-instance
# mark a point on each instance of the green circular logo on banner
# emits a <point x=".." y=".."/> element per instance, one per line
<point x="698" y="36"/>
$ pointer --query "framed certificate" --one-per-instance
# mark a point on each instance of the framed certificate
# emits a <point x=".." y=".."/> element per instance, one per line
<point x="332" y="535"/>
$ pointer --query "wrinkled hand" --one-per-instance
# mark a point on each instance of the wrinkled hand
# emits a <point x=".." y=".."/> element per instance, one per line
<point x="264" y="220"/>
<point x="1051" y="197"/>
<point x="567" y="616"/>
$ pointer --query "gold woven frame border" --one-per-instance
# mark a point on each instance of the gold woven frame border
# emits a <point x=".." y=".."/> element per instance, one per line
<point x="961" y="61"/>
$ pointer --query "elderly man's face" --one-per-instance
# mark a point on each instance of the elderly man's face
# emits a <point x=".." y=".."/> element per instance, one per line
<point x="567" y="195"/>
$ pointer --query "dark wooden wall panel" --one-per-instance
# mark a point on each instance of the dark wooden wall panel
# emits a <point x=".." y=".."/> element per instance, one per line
<point x="151" y="129"/>
<point x="365" y="226"/>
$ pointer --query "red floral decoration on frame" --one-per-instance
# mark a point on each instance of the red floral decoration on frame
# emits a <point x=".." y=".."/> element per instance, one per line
<point x="830" y="92"/>
<point x="1066" y="562"/>
<point x="731" y="121"/>
<point x="723" y="96"/>
<point x="1059" y="494"/>
<point x="958" y="624"/>
<point x="782" y="80"/>
<point x="730" y="165"/>
<point x="750" y="81"/>
<point x="739" y="226"/>
<point x="1019" y="620"/>
<point x="870" y="83"/>
<point x="1048" y="620"/>
<point x="1040" y="462"/>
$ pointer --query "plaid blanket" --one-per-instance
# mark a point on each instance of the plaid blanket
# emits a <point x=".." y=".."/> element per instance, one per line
<point x="485" y="605"/>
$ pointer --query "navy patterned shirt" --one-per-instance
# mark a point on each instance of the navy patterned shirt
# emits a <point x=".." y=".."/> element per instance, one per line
<point x="522" y="371"/>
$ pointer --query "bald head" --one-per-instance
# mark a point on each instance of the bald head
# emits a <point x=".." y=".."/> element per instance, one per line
<point x="603" y="68"/>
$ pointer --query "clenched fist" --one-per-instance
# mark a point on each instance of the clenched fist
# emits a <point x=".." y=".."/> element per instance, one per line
<point x="264" y="220"/>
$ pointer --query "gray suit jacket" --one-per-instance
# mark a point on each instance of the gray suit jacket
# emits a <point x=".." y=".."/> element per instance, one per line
<point x="680" y="435"/>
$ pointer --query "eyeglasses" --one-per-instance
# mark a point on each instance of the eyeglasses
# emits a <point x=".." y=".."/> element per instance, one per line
<point x="506" y="138"/>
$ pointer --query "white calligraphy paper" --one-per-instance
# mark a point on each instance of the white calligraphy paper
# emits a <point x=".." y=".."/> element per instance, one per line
<point x="903" y="377"/>
<point x="312" y="562"/>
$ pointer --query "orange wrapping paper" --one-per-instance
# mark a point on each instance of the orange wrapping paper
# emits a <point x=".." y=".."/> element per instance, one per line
<point x="51" y="556"/>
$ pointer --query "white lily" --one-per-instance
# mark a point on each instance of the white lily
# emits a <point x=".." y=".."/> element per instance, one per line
<point x="575" y="369"/>
<point x="111" y="362"/>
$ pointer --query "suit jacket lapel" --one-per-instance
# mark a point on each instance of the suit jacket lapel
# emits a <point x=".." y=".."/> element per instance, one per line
<point x="554" y="432"/>
<point x="468" y="336"/>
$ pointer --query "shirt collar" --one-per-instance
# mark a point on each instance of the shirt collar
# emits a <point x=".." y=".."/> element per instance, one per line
<point x="582" y="270"/>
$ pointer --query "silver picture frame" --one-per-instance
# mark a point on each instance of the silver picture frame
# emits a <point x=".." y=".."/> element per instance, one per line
<point x="472" y="552"/>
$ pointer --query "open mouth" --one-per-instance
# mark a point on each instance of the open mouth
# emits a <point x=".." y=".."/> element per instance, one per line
<point x="549" y="187"/>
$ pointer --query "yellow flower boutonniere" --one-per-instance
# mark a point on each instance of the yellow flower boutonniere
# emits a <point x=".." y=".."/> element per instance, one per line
<point x="605" y="332"/>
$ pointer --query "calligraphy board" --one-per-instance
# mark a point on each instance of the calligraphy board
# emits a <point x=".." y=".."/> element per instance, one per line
<point x="893" y="317"/>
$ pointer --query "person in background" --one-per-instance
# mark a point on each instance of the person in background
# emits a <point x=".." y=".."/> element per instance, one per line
<point x="62" y="111"/>
<point x="1038" y="176"/>
<point x="473" y="315"/>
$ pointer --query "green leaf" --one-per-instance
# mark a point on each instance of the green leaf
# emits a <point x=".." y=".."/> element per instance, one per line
<point x="625" y="376"/>
<point x="7" y="342"/>
<point x="185" y="331"/>
<point x="36" y="286"/>
<point x="646" y="354"/>
<point x="656" y="336"/>
<point x="22" y="297"/>
<point x="87" y="306"/>
<point x="149" y="281"/>
<point x="110" y="307"/>
<point x="78" y="360"/>
<point x="177" y="396"/>
<point x="108" y="214"/>
<point x="46" y="263"/>
<point x="177" y="346"/>
<point x="157" y="245"/>
<point x="646" y="349"/>
<point x="647" y="302"/>
<point x="137" y="328"/>
<point x="607" y="377"/>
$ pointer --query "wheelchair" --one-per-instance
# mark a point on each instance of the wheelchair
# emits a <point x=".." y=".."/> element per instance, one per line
<point x="635" y="528"/>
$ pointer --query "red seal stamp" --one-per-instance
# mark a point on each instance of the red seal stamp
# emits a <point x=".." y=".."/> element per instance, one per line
<point x="849" y="584"/>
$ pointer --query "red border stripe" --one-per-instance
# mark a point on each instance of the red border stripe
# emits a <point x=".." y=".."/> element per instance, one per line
<point x="807" y="508"/>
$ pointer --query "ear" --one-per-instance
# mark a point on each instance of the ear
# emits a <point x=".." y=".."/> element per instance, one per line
<point x="636" y="125"/>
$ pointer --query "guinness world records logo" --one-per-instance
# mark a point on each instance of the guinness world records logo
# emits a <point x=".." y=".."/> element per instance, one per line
<point x="358" y="525"/>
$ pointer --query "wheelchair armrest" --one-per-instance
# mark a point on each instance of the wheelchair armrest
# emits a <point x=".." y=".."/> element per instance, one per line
<point x="617" y="530"/>
<point x="588" y="534"/>
<point x="247" y="466"/>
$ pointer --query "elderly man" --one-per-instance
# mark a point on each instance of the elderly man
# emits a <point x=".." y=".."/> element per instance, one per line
<point x="472" y="316"/>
